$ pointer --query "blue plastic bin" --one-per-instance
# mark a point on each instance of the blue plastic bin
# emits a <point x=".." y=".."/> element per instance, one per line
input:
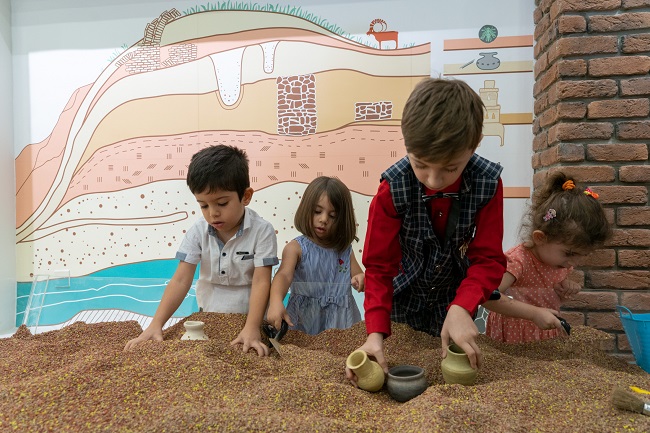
<point x="637" y="329"/>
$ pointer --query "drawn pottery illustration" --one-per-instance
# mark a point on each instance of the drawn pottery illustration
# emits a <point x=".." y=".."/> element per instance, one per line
<point x="406" y="382"/>
<point x="456" y="367"/>
<point x="488" y="61"/>
<point x="194" y="331"/>
<point x="370" y="375"/>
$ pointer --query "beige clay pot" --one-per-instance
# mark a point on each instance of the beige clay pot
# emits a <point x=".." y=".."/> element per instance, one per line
<point x="194" y="330"/>
<point x="456" y="367"/>
<point x="370" y="375"/>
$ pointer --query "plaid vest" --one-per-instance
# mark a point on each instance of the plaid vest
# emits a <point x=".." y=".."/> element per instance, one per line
<point x="430" y="264"/>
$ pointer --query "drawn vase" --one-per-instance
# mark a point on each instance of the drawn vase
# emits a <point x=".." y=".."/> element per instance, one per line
<point x="370" y="375"/>
<point x="194" y="331"/>
<point x="456" y="367"/>
<point x="406" y="382"/>
<point x="488" y="61"/>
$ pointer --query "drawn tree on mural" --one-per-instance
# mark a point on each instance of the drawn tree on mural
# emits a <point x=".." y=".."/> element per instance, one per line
<point x="488" y="33"/>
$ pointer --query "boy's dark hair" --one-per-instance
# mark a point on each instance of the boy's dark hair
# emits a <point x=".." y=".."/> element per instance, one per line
<point x="567" y="215"/>
<point x="344" y="228"/>
<point x="442" y="118"/>
<point x="220" y="167"/>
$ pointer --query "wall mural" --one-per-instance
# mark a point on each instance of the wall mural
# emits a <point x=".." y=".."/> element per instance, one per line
<point x="102" y="203"/>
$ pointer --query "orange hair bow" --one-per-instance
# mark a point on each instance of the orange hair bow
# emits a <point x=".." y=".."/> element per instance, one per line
<point x="591" y="193"/>
<point x="568" y="185"/>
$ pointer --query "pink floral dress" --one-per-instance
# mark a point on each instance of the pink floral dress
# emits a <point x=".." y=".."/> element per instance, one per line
<point x="534" y="285"/>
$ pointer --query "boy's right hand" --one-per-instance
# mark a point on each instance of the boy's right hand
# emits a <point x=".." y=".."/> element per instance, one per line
<point x="276" y="313"/>
<point x="461" y="329"/>
<point x="374" y="347"/>
<point x="148" y="334"/>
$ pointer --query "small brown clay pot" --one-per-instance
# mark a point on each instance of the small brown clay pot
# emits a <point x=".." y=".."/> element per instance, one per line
<point x="370" y="375"/>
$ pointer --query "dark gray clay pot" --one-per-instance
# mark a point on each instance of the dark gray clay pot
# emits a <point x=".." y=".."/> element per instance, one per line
<point x="405" y="382"/>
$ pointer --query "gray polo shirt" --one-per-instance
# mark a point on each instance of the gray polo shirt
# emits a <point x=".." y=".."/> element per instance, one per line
<point x="226" y="270"/>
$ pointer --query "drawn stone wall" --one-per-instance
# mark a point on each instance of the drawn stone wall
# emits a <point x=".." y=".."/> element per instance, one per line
<point x="296" y="105"/>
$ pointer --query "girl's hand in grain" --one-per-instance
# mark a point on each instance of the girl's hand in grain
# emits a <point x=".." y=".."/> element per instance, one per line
<point x="374" y="347"/>
<point x="461" y="329"/>
<point x="566" y="288"/>
<point x="250" y="338"/>
<point x="151" y="333"/>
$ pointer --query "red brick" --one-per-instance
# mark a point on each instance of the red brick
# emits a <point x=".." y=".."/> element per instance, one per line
<point x="619" y="22"/>
<point x="570" y="152"/>
<point x="618" y="108"/>
<point x="571" y="24"/>
<point x="548" y="37"/>
<point x="628" y="65"/>
<point x="587" y="5"/>
<point x="545" y="79"/>
<point x="585" y="45"/>
<point x="541" y="26"/>
<point x="618" y="194"/>
<point x="617" y="152"/>
<point x="631" y="4"/>
<point x="634" y="258"/>
<point x="623" y="343"/>
<point x="572" y="68"/>
<point x="541" y="103"/>
<point x="635" y="87"/>
<point x="548" y="117"/>
<point x="541" y="64"/>
<point x="586" y="89"/>
<point x="625" y="280"/>
<point x="635" y="43"/>
<point x="545" y="5"/>
<point x="580" y="131"/>
<point x="630" y="238"/>
<point x="540" y="141"/>
<point x="604" y="321"/>
<point x="636" y="302"/>
<point x="535" y="161"/>
<point x="633" y="130"/>
<point x="587" y="173"/>
<point x="592" y="300"/>
<point x="571" y="110"/>
<point x="633" y="216"/>
<point x="635" y="173"/>
<point x="602" y="258"/>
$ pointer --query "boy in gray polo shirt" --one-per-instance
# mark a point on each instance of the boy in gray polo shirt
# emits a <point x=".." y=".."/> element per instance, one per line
<point x="235" y="246"/>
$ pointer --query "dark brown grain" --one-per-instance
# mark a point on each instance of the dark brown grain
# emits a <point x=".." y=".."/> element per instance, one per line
<point x="79" y="379"/>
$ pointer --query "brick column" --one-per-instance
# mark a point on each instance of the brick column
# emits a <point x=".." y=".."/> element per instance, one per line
<point x="592" y="91"/>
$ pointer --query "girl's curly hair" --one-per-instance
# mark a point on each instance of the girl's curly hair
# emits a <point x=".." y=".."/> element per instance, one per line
<point x="567" y="214"/>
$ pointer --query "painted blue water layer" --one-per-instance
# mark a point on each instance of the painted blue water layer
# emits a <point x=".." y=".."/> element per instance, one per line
<point x="137" y="288"/>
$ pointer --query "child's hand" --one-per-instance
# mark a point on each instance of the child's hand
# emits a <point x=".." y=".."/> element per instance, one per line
<point x="567" y="288"/>
<point x="374" y="347"/>
<point x="251" y="339"/>
<point x="546" y="318"/>
<point x="460" y="328"/>
<point x="359" y="282"/>
<point x="276" y="313"/>
<point x="151" y="333"/>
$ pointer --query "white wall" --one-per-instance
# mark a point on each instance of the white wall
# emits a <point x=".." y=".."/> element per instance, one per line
<point x="7" y="178"/>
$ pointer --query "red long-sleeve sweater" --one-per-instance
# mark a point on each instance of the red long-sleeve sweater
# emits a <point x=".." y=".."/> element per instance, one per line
<point x="382" y="254"/>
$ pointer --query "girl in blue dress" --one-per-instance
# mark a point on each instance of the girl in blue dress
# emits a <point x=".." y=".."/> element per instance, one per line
<point x="319" y="266"/>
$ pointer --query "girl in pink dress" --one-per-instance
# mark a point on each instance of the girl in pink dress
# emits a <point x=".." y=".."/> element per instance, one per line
<point x="565" y="223"/>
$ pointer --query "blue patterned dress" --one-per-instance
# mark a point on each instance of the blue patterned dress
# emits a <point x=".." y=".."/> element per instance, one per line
<point x="321" y="294"/>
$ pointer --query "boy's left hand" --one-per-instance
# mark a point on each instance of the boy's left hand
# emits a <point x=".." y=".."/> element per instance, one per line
<point x="460" y="328"/>
<point x="251" y="339"/>
<point x="359" y="282"/>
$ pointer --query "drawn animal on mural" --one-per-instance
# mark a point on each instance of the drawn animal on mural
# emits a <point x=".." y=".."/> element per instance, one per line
<point x="381" y="35"/>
